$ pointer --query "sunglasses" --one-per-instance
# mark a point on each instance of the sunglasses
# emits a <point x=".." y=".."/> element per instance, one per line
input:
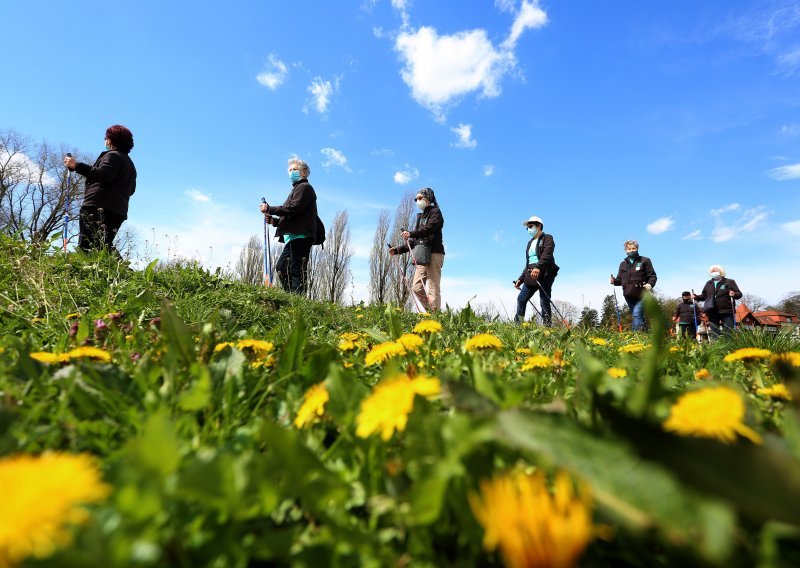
<point x="419" y="199"/>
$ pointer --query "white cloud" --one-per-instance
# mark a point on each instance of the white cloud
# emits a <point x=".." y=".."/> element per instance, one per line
<point x="693" y="236"/>
<point x="530" y="16"/>
<point x="196" y="195"/>
<point x="382" y="152"/>
<point x="488" y="170"/>
<point x="790" y="130"/>
<point x="506" y="5"/>
<point x="321" y="92"/>
<point x="377" y="32"/>
<point x="275" y="74"/>
<point x="784" y="173"/>
<point x="405" y="176"/>
<point x="334" y="158"/>
<point x="746" y="221"/>
<point x="790" y="60"/>
<point x="661" y="225"/>
<point x="464" y="133"/>
<point x="792" y="227"/>
<point x="725" y="209"/>
<point x="722" y="233"/>
<point x="497" y="237"/>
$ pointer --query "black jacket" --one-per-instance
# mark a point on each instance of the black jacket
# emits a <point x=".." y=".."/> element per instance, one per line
<point x="428" y="229"/>
<point x="546" y="264"/>
<point x="718" y="298"/>
<point x="632" y="276"/>
<point x="110" y="182"/>
<point x="298" y="214"/>
<point x="684" y="311"/>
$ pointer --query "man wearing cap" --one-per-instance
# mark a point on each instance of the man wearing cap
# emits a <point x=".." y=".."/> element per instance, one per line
<point x="539" y="273"/>
<point x="427" y="234"/>
<point x="636" y="275"/>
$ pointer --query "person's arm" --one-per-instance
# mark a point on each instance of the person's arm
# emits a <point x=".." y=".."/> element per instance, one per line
<point x="435" y="224"/>
<point x="105" y="170"/>
<point x="650" y="273"/>
<point x="737" y="294"/>
<point x="548" y="248"/>
<point x="297" y="202"/>
<point x="702" y="295"/>
<point x="618" y="278"/>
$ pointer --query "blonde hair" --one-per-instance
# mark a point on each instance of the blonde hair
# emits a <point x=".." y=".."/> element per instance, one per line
<point x="719" y="268"/>
<point x="305" y="171"/>
<point x="631" y="242"/>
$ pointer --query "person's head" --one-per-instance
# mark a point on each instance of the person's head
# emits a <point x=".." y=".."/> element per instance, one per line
<point x="631" y="248"/>
<point x="686" y="296"/>
<point x="425" y="197"/>
<point x="534" y="225"/>
<point x="299" y="166"/>
<point x="716" y="271"/>
<point x="119" y="138"/>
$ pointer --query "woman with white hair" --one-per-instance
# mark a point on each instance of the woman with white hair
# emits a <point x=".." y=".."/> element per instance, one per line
<point x="718" y="298"/>
<point x="296" y="222"/>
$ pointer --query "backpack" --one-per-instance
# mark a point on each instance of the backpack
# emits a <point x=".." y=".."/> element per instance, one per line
<point x="319" y="234"/>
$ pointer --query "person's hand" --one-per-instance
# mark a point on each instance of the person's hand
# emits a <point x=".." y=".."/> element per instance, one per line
<point x="70" y="162"/>
<point x="405" y="235"/>
<point x="675" y="318"/>
<point x="611" y="280"/>
<point x="648" y="287"/>
<point x="392" y="251"/>
<point x="264" y="207"/>
<point x="517" y="284"/>
<point x="731" y="293"/>
<point x="534" y="273"/>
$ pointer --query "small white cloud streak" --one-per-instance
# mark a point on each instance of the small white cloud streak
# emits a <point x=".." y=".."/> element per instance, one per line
<point x="464" y="133"/>
<point x="198" y="196"/>
<point x="507" y="6"/>
<point x="488" y="170"/>
<point x="409" y="174"/>
<point x="334" y="158"/>
<point x="784" y="173"/>
<point x="747" y="221"/>
<point x="661" y="225"/>
<point x="792" y="227"/>
<point x="321" y="92"/>
<point x="693" y="236"/>
<point x="725" y="209"/>
<point x="530" y="16"/>
<point x="275" y="75"/>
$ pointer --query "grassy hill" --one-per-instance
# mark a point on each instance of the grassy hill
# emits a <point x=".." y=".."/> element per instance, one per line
<point x="174" y="417"/>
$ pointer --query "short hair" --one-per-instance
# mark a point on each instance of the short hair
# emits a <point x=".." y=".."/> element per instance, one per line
<point x="686" y="293"/>
<point x="719" y="268"/>
<point x="120" y="137"/>
<point x="305" y="171"/>
<point x="631" y="242"/>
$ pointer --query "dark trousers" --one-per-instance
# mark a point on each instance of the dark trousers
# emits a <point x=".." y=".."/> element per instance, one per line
<point x="687" y="330"/>
<point x="526" y="293"/>
<point x="292" y="265"/>
<point x="718" y="320"/>
<point x="98" y="228"/>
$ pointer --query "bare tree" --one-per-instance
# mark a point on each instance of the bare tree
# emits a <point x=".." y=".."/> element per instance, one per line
<point x="333" y="271"/>
<point x="567" y="309"/>
<point x="401" y="274"/>
<point x="250" y="265"/>
<point x="380" y="262"/>
<point x="35" y="188"/>
<point x="753" y="302"/>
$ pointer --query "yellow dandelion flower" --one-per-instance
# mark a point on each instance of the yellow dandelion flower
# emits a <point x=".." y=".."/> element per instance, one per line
<point x="792" y="359"/>
<point x="523" y="350"/>
<point x="410" y="341"/>
<point x="73" y="315"/>
<point x="748" y="354"/>
<point x="37" y="320"/>
<point x="386" y="410"/>
<point x="702" y="374"/>
<point x="347" y="364"/>
<point x="715" y="412"/>
<point x="88" y="352"/>
<point x="536" y="362"/>
<point x="360" y="316"/>
<point x="617" y="372"/>
<point x="599" y="341"/>
<point x="428" y="326"/>
<point x="526" y="324"/>
<point x="314" y="401"/>
<point x="2" y="349"/>
<point x="531" y="526"/>
<point x="48" y="358"/>
<point x="346" y="345"/>
<point x="255" y="346"/>
<point x="674" y="349"/>
<point x="776" y="391"/>
<point x="383" y="352"/>
<point x="483" y="341"/>
<point x="350" y="335"/>
<point x="220" y="346"/>
<point x="633" y="348"/>
<point x="48" y="493"/>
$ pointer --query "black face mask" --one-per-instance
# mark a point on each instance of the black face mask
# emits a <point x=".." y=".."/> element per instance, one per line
<point x="687" y="300"/>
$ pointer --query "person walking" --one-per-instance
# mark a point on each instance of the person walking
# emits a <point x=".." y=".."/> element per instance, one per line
<point x="539" y="273"/>
<point x="296" y="226"/>
<point x="110" y="182"/>
<point x="718" y="297"/>
<point x="427" y="250"/>
<point x="636" y="275"/>
<point x="686" y="316"/>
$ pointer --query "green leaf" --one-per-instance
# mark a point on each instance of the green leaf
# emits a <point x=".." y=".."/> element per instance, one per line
<point x="395" y="326"/>
<point x="291" y="358"/>
<point x="177" y="337"/>
<point x="158" y="448"/>
<point x="198" y="396"/>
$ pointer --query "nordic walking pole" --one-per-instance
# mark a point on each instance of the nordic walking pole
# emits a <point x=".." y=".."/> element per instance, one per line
<point x="405" y="281"/>
<point x="267" y="252"/>
<point x="616" y="305"/>
<point x="733" y="306"/>
<point x="66" y="205"/>
<point x="530" y="301"/>
<point x="553" y="305"/>
<point x="694" y="312"/>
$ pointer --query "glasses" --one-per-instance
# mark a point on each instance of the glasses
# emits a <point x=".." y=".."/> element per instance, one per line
<point x="419" y="199"/>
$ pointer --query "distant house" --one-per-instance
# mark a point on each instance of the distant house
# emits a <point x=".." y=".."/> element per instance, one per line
<point x="769" y="320"/>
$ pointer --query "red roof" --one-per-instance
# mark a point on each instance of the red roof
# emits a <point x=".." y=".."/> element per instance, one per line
<point x="775" y="317"/>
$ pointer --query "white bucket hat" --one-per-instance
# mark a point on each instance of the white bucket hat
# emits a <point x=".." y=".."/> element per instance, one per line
<point x="533" y="219"/>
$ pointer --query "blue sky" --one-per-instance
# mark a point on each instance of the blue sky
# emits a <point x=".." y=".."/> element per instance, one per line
<point x="675" y="123"/>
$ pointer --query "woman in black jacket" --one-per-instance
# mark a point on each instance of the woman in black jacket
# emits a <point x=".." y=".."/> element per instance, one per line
<point x="428" y="234"/>
<point x="539" y="272"/>
<point x="110" y="182"/>
<point x="296" y="224"/>
<point x="718" y="298"/>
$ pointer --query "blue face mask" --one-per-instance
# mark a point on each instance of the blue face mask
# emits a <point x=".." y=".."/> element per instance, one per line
<point x="715" y="275"/>
<point x="107" y="147"/>
<point x="533" y="231"/>
<point x="294" y="175"/>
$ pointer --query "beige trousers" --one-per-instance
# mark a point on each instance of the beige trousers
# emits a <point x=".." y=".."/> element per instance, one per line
<point x="430" y="275"/>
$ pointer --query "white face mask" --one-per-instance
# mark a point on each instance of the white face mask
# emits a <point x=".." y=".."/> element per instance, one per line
<point x="533" y="231"/>
<point x="422" y="204"/>
<point x="715" y="275"/>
